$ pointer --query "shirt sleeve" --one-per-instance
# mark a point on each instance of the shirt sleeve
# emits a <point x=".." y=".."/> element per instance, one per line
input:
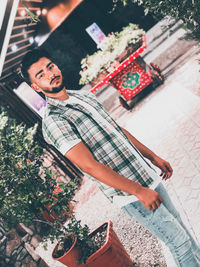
<point x="58" y="132"/>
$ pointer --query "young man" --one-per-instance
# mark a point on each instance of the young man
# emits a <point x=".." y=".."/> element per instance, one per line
<point x="79" y="127"/>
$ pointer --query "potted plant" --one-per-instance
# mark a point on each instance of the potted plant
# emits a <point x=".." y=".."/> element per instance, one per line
<point x="114" y="49"/>
<point x="102" y="247"/>
<point x="26" y="186"/>
<point x="27" y="189"/>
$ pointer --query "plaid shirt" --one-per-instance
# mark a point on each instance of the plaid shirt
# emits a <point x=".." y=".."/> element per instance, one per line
<point x="65" y="124"/>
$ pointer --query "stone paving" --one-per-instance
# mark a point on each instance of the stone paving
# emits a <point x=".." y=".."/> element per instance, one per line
<point x="168" y="121"/>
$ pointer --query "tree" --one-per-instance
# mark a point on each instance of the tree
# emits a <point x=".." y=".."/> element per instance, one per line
<point x="186" y="10"/>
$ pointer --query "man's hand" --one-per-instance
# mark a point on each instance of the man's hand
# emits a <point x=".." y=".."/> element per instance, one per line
<point x="166" y="169"/>
<point x="149" y="198"/>
<point x="83" y="158"/>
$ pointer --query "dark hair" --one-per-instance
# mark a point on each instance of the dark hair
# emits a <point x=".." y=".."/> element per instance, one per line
<point x="29" y="59"/>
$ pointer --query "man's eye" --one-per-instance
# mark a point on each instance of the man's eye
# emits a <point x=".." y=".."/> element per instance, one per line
<point x="51" y="66"/>
<point x="40" y="76"/>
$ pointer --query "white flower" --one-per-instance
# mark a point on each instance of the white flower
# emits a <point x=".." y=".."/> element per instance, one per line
<point x="112" y="46"/>
<point x="3" y="121"/>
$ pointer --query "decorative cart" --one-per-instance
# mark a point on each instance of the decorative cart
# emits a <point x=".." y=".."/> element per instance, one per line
<point x="127" y="71"/>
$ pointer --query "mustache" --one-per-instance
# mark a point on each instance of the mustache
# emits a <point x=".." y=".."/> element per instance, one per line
<point x="54" y="78"/>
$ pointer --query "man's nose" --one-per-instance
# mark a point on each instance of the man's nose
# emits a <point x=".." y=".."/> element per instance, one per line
<point x="50" y="75"/>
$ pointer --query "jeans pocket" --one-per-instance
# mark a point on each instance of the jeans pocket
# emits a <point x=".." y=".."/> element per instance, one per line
<point x="137" y="210"/>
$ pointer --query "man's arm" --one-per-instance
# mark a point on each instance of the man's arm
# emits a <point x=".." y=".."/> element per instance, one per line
<point x="82" y="157"/>
<point x="166" y="169"/>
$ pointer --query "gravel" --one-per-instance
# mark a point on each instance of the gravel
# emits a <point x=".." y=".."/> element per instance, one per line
<point x="143" y="248"/>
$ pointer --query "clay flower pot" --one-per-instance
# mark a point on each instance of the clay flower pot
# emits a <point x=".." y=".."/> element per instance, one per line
<point x="70" y="258"/>
<point x="111" y="254"/>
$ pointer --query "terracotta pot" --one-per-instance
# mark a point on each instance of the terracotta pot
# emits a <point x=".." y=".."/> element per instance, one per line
<point x="51" y="216"/>
<point x="111" y="254"/>
<point x="70" y="258"/>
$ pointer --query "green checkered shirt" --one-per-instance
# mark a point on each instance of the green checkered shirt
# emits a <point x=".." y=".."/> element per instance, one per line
<point x="65" y="124"/>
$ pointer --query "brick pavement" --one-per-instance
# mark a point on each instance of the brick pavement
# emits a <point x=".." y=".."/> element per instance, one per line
<point x="170" y="124"/>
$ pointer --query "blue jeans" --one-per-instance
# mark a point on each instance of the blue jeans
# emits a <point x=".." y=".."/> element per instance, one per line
<point x="166" y="224"/>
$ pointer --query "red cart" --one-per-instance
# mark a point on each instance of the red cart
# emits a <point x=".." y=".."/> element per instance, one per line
<point x="131" y="76"/>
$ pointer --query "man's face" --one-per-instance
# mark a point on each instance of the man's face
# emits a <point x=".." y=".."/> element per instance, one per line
<point x="45" y="76"/>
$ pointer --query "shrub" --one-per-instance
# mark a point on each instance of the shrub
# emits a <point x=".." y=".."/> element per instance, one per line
<point x="27" y="189"/>
<point x="186" y="10"/>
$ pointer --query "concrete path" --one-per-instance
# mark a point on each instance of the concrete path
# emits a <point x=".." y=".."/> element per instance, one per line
<point x="168" y="121"/>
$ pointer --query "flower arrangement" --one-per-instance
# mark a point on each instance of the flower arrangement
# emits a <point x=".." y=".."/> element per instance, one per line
<point x="112" y="47"/>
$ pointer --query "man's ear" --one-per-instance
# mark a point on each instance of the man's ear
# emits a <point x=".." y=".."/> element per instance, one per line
<point x="35" y="87"/>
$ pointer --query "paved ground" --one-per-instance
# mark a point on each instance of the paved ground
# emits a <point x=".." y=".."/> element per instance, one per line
<point x="167" y="121"/>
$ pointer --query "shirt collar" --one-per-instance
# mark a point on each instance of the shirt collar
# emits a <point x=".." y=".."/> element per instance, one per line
<point x="57" y="102"/>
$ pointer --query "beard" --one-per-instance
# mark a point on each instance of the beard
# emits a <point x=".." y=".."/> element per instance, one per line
<point x="55" y="90"/>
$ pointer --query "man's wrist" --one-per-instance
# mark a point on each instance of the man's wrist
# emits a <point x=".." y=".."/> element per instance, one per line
<point x="137" y="189"/>
<point x="153" y="157"/>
